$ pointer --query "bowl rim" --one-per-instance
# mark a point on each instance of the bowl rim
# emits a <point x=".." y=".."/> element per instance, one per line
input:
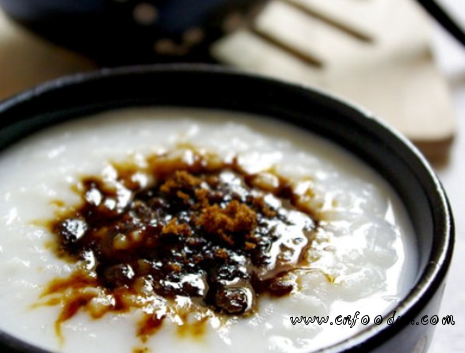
<point x="430" y="279"/>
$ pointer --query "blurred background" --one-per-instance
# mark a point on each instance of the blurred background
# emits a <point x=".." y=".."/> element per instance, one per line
<point x="387" y="56"/>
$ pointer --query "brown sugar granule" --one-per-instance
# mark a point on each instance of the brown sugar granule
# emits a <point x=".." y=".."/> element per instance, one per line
<point x="173" y="228"/>
<point x="233" y="224"/>
<point x="180" y="181"/>
<point x="208" y="233"/>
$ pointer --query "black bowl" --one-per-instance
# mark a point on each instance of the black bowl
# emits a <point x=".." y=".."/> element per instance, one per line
<point x="123" y="32"/>
<point x="353" y="129"/>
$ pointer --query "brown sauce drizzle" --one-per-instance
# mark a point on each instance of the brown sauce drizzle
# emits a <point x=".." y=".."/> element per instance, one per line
<point x="178" y="225"/>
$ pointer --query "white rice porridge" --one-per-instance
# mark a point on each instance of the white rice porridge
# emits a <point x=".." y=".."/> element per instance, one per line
<point x="367" y="246"/>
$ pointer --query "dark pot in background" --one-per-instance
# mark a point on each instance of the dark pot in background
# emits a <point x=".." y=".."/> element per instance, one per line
<point x="117" y="32"/>
<point x="376" y="144"/>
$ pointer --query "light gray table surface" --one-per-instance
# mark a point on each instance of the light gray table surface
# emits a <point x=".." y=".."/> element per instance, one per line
<point x="451" y="58"/>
